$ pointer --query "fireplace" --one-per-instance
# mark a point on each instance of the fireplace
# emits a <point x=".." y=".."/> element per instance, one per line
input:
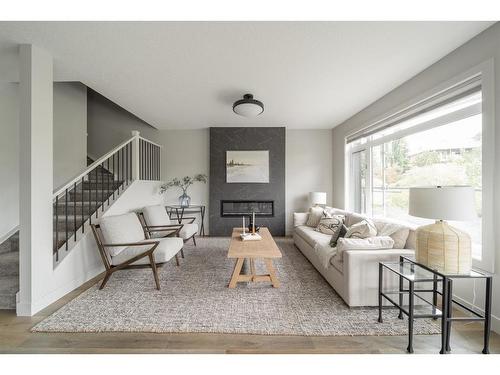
<point x="233" y="208"/>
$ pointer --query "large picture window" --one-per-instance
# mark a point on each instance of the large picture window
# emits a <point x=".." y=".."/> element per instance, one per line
<point x="439" y="146"/>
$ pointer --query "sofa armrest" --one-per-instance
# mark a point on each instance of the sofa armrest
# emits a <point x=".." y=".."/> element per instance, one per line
<point x="361" y="273"/>
<point x="300" y="218"/>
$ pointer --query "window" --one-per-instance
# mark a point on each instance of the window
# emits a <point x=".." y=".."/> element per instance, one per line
<point x="439" y="146"/>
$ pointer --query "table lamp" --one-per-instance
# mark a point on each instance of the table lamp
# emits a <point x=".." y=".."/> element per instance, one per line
<point x="441" y="246"/>
<point x="317" y="198"/>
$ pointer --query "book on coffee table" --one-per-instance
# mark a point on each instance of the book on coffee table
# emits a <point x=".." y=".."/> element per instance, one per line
<point x="250" y="236"/>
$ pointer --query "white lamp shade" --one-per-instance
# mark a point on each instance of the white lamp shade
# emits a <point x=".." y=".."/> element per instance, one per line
<point x="443" y="202"/>
<point x="317" y="197"/>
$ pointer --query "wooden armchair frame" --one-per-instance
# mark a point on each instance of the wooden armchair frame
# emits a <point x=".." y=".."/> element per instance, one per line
<point x="110" y="268"/>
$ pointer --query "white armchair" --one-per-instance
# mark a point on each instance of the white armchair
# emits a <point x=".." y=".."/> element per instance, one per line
<point x="157" y="217"/>
<point x="122" y="243"/>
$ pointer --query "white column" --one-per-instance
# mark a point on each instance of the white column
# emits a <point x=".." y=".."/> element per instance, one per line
<point x="135" y="155"/>
<point x="35" y="174"/>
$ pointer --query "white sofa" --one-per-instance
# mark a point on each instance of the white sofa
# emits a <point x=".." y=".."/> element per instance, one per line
<point x="354" y="275"/>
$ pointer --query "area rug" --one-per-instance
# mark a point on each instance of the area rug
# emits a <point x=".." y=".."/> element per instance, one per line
<point x="195" y="298"/>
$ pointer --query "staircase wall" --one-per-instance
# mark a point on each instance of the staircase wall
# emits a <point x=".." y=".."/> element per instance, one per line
<point x="83" y="262"/>
<point x="109" y="124"/>
<point x="70" y="144"/>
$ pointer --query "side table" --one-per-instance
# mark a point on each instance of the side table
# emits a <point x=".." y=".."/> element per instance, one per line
<point x="180" y="210"/>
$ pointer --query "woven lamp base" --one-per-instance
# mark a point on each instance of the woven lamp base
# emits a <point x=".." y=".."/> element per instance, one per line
<point x="444" y="248"/>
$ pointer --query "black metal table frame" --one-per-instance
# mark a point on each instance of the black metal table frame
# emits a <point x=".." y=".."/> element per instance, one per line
<point x="412" y="293"/>
<point x="179" y="214"/>
<point x="447" y="303"/>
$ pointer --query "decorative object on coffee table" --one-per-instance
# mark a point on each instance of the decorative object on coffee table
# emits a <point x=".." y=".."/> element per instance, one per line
<point x="317" y="198"/>
<point x="441" y="246"/>
<point x="184" y="184"/>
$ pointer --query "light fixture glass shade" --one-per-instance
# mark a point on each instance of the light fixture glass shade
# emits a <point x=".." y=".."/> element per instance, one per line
<point x="248" y="106"/>
<point x="443" y="202"/>
<point x="317" y="198"/>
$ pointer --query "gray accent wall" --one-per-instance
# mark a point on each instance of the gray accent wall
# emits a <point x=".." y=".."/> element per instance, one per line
<point x="248" y="138"/>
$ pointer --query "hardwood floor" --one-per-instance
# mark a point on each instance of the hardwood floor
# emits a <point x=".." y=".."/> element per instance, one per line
<point x="15" y="337"/>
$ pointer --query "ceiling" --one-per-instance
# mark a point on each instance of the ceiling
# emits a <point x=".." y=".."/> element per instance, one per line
<point x="186" y="75"/>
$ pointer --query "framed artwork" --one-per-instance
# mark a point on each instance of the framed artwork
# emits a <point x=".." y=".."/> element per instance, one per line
<point x="247" y="167"/>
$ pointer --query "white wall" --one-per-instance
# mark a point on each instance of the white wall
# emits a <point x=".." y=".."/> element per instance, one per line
<point x="108" y="125"/>
<point x="483" y="47"/>
<point x="70" y="131"/>
<point x="69" y="139"/>
<point x="186" y="153"/>
<point x="308" y="168"/>
<point x="9" y="159"/>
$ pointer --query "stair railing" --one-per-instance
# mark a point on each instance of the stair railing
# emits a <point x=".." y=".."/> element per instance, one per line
<point x="101" y="182"/>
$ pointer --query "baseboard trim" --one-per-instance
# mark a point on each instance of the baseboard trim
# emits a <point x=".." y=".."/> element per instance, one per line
<point x="26" y="309"/>
<point x="6" y="236"/>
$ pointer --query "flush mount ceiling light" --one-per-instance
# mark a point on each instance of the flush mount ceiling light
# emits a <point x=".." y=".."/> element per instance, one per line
<point x="248" y="106"/>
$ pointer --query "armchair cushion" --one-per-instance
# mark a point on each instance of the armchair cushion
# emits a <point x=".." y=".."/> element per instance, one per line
<point x="188" y="230"/>
<point x="165" y="250"/>
<point x="156" y="215"/>
<point x="118" y="229"/>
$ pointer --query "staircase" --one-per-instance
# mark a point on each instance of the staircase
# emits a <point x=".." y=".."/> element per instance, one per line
<point x="9" y="272"/>
<point x="78" y="205"/>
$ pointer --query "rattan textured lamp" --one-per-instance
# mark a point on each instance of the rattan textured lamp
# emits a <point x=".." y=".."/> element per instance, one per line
<point x="441" y="246"/>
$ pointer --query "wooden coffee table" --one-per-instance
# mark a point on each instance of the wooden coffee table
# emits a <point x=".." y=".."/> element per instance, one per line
<point x="265" y="249"/>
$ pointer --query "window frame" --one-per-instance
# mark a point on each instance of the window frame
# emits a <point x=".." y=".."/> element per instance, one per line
<point x="486" y="107"/>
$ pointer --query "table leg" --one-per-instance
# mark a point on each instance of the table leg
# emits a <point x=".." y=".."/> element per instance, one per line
<point x="177" y="214"/>
<point x="410" y="317"/>
<point x="487" y="316"/>
<point x="202" y="226"/>
<point x="400" y="316"/>
<point x="380" y="278"/>
<point x="434" y="296"/>
<point x="236" y="272"/>
<point x="444" y="315"/>
<point x="450" y="312"/>
<point x="272" y="272"/>
<point x="252" y="268"/>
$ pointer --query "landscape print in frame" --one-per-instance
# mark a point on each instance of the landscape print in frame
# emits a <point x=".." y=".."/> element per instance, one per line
<point x="247" y="166"/>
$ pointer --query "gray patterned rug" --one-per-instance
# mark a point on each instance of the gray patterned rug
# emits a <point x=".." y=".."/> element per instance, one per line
<point x="194" y="298"/>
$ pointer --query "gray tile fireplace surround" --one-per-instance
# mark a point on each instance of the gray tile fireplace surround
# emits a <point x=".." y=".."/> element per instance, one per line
<point x="224" y="139"/>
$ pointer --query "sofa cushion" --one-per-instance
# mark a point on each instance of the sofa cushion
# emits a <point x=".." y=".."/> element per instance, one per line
<point x="312" y="237"/>
<point x="300" y="218"/>
<point x="165" y="250"/>
<point x="117" y="229"/>
<point x="364" y="229"/>
<point x="371" y="243"/>
<point x="354" y="218"/>
<point x="156" y="215"/>
<point x="315" y="214"/>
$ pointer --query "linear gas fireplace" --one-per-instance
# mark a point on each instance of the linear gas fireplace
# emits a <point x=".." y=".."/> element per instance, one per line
<point x="232" y="208"/>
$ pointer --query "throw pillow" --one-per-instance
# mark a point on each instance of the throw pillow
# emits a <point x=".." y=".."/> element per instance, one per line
<point x="364" y="229"/>
<point x="315" y="215"/>
<point x="342" y="233"/>
<point x="399" y="233"/>
<point x="330" y="225"/>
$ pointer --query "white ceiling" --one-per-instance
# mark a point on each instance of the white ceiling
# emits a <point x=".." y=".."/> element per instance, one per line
<point x="186" y="75"/>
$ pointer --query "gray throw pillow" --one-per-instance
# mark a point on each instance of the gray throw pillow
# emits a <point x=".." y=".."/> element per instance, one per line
<point x="335" y="237"/>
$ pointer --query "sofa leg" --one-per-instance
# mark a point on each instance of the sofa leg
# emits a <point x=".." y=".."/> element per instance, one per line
<point x="194" y="240"/>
